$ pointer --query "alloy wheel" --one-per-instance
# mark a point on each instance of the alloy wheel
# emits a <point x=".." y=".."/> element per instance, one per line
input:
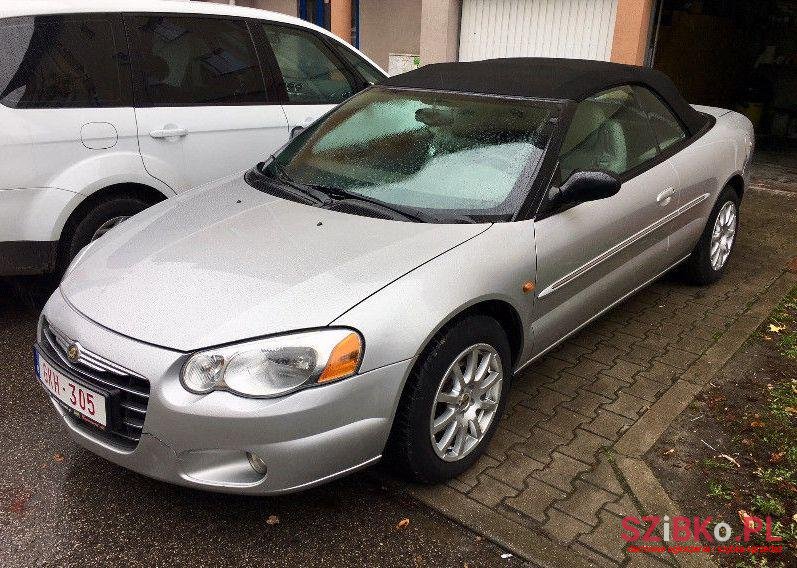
<point x="466" y="402"/>
<point x="723" y="235"/>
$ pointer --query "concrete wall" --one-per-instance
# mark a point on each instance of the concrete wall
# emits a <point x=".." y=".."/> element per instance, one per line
<point x="631" y="29"/>
<point x="440" y="30"/>
<point x="289" y="7"/>
<point x="390" y="26"/>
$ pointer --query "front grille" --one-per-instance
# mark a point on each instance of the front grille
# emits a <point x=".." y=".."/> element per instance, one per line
<point x="127" y="405"/>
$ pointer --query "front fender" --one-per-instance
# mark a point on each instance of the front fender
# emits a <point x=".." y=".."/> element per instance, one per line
<point x="398" y="321"/>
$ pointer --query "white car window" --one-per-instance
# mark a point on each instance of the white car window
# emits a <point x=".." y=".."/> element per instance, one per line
<point x="188" y="60"/>
<point x="310" y="70"/>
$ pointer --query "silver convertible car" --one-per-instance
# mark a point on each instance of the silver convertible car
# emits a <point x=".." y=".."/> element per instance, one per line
<point x="372" y="288"/>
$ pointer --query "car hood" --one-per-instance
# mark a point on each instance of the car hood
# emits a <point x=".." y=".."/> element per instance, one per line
<point x="226" y="262"/>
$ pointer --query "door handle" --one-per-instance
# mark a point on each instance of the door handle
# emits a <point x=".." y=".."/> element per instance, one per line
<point x="665" y="196"/>
<point x="169" y="133"/>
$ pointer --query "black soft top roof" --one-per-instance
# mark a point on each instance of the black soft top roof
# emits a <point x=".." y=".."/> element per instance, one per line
<point x="545" y="78"/>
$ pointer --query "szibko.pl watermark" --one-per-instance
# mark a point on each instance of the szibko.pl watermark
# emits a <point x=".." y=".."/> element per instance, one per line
<point x="654" y="533"/>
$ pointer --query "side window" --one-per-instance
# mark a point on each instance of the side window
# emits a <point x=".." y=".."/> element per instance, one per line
<point x="62" y="61"/>
<point x="609" y="131"/>
<point x="310" y="70"/>
<point x="189" y="60"/>
<point x="368" y="72"/>
<point x="666" y="126"/>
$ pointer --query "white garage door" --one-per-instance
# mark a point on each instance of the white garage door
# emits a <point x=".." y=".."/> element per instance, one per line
<point x="543" y="28"/>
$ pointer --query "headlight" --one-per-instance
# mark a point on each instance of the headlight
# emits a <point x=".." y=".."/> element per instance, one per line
<point x="276" y="365"/>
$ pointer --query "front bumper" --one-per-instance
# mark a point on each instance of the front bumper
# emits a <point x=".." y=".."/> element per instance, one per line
<point x="305" y="439"/>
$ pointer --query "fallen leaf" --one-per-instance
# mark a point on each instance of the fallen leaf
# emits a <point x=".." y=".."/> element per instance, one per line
<point x="791" y="409"/>
<point x="776" y="328"/>
<point x="668" y="452"/>
<point x="58" y="457"/>
<point x="794" y="517"/>
<point x="19" y="503"/>
<point x="273" y="520"/>
<point x="757" y="424"/>
<point x="403" y="523"/>
<point x="776" y="457"/>
<point x="730" y="459"/>
<point x="747" y="519"/>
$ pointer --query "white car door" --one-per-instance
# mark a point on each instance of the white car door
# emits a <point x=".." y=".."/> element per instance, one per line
<point x="204" y="108"/>
<point x="314" y="76"/>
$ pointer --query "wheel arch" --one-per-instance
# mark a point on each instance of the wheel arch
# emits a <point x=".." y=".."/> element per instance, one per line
<point x="141" y="191"/>
<point x="501" y="310"/>
<point x="736" y="181"/>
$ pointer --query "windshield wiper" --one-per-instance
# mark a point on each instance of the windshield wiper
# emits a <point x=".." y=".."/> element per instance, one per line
<point x="343" y="194"/>
<point x="278" y="172"/>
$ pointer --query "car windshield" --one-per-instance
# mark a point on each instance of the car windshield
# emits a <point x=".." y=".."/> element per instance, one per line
<point x="424" y="151"/>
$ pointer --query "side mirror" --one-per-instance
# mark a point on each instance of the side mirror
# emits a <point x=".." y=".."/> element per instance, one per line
<point x="584" y="186"/>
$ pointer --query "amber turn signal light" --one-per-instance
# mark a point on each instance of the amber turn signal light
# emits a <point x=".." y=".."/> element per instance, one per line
<point x="344" y="359"/>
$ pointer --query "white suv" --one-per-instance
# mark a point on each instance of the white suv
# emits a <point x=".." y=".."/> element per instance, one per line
<point x="109" y="107"/>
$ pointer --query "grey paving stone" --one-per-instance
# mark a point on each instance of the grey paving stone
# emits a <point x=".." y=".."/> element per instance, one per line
<point x="563" y="527"/>
<point x="608" y="424"/>
<point x="491" y="492"/>
<point x="585" y="502"/>
<point x="585" y="446"/>
<point x="604" y="476"/>
<point x="535" y="500"/>
<point x="561" y="472"/>
<point x="605" y="539"/>
<point x="628" y="405"/>
<point x="586" y="403"/>
<point x="515" y="469"/>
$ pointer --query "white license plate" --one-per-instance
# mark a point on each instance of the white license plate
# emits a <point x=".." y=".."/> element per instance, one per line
<point x="86" y="402"/>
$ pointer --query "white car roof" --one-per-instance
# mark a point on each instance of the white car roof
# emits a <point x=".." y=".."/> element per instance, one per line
<point x="11" y="8"/>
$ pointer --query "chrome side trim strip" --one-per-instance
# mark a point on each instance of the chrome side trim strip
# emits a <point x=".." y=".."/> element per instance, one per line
<point x="599" y="314"/>
<point x="606" y="255"/>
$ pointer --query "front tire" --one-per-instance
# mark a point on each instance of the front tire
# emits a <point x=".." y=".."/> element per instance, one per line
<point x="96" y="222"/>
<point x="452" y="402"/>
<point x="710" y="256"/>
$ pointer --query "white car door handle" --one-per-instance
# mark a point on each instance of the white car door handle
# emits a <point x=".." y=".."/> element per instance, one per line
<point x="665" y="196"/>
<point x="169" y="133"/>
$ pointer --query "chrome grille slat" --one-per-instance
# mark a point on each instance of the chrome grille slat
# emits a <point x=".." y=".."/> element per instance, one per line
<point x="129" y="406"/>
<point x="132" y="408"/>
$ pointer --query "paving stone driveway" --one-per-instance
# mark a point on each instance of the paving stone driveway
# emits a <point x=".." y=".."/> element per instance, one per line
<point x="549" y="469"/>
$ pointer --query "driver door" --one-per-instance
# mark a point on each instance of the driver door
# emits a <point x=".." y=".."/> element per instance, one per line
<point x="314" y="77"/>
<point x="591" y="254"/>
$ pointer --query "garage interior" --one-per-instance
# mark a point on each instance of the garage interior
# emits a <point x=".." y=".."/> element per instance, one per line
<point x="740" y="55"/>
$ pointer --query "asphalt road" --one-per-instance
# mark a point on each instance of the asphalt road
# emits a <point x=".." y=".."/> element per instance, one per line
<point x="62" y="506"/>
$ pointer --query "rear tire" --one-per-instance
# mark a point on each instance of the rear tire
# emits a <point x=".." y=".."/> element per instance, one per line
<point x="94" y="221"/>
<point x="710" y="256"/>
<point x="466" y="411"/>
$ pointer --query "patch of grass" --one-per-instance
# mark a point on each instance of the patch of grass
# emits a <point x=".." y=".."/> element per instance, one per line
<point x="788" y="534"/>
<point x="788" y="344"/>
<point x="768" y="505"/>
<point x="775" y="475"/>
<point x="785" y="315"/>
<point x="718" y="490"/>
<point x="713" y="463"/>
